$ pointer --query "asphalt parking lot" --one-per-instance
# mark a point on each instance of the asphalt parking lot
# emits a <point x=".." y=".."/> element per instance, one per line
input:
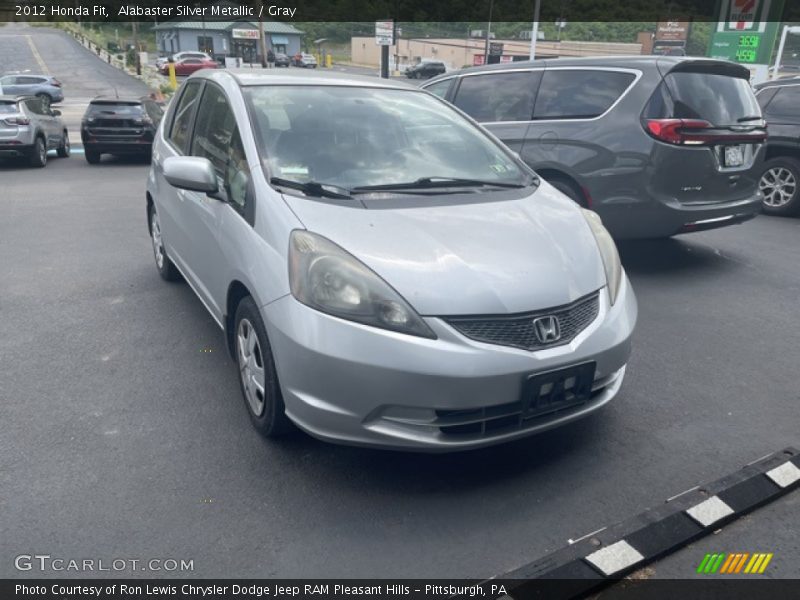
<point x="124" y="433"/>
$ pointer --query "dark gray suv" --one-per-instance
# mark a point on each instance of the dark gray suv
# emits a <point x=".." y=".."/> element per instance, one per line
<point x="655" y="145"/>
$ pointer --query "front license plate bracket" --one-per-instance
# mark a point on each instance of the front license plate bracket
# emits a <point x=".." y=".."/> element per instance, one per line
<point x="555" y="390"/>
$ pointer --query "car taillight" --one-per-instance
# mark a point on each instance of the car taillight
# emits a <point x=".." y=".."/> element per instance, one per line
<point x="56" y="82"/>
<point x="18" y="121"/>
<point x="675" y="131"/>
<point x="697" y="132"/>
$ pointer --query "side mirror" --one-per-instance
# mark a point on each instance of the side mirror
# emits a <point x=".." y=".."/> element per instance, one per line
<point x="56" y="113"/>
<point x="191" y="173"/>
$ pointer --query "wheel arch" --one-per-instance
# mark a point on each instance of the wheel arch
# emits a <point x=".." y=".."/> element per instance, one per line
<point x="237" y="291"/>
<point x="782" y="151"/>
<point x="551" y="173"/>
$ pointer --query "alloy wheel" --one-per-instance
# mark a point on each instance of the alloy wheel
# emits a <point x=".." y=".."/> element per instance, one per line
<point x="778" y="185"/>
<point x="251" y="366"/>
<point x="155" y="236"/>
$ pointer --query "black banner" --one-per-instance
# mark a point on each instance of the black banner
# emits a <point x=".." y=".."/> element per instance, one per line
<point x="466" y="11"/>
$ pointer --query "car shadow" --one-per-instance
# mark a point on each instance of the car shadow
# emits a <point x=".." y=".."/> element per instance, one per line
<point x="666" y="256"/>
<point x="416" y="473"/>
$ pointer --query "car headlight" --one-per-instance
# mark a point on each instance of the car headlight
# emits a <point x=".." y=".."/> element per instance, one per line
<point x="325" y="277"/>
<point x="608" y="252"/>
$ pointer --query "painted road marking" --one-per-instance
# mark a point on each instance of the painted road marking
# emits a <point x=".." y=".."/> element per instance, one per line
<point x="37" y="56"/>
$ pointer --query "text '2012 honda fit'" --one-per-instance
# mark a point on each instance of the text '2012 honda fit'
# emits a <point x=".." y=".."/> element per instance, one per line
<point x="385" y="271"/>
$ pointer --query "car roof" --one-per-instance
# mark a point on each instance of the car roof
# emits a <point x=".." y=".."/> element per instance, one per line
<point x="639" y="61"/>
<point x="794" y="80"/>
<point x="252" y="77"/>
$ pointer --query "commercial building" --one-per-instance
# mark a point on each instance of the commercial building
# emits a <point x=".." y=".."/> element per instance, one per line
<point x="227" y="39"/>
<point x="457" y="53"/>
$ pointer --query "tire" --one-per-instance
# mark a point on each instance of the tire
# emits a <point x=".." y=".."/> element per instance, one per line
<point x="92" y="157"/>
<point x="38" y="157"/>
<point x="64" y="148"/>
<point x="253" y="356"/>
<point x="569" y="189"/>
<point x="780" y="184"/>
<point x="166" y="269"/>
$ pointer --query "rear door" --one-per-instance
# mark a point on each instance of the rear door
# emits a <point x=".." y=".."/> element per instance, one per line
<point x="502" y="101"/>
<point x="47" y="123"/>
<point x="708" y="129"/>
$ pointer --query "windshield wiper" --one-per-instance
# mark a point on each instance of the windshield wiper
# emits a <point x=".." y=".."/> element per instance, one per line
<point x="750" y="118"/>
<point x="313" y="188"/>
<point x="436" y="182"/>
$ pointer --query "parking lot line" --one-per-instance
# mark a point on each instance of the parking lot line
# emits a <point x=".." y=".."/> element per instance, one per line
<point x="37" y="56"/>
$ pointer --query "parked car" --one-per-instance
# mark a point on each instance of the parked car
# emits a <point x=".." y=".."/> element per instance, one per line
<point x="46" y="87"/>
<point x="385" y="272"/>
<point x="162" y="61"/>
<point x="119" y="126"/>
<point x="780" y="179"/>
<point x="655" y="145"/>
<point x="426" y="69"/>
<point x="29" y="127"/>
<point x="281" y="60"/>
<point x="305" y="60"/>
<point x="187" y="66"/>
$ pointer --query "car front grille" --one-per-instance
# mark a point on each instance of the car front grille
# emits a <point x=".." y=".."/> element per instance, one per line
<point x="519" y="331"/>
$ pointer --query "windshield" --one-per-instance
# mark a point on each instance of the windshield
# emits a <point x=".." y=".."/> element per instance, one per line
<point x="354" y="137"/>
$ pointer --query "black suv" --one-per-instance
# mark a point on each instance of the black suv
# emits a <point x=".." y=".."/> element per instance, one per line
<point x="425" y="69"/>
<point x="780" y="179"/>
<point x="119" y="126"/>
<point x="655" y="145"/>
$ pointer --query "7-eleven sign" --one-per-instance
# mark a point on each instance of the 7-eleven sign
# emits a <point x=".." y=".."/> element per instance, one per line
<point x="742" y="14"/>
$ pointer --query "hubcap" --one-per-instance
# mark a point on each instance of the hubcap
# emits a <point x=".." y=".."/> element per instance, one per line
<point x="778" y="185"/>
<point x="155" y="235"/>
<point x="251" y="366"/>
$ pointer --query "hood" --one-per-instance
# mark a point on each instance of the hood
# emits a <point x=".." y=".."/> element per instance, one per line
<point x="493" y="257"/>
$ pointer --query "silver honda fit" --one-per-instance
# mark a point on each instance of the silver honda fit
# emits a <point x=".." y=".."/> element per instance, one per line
<point x="385" y="271"/>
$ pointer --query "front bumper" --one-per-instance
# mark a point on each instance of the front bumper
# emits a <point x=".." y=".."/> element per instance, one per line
<point x="654" y="218"/>
<point x="348" y="383"/>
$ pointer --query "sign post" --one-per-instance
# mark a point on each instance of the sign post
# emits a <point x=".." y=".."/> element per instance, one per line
<point x="746" y="34"/>
<point x="384" y="37"/>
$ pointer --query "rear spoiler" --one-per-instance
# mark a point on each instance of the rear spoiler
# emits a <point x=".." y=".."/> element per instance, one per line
<point x="708" y="66"/>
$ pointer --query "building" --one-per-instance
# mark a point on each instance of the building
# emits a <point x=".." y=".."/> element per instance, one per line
<point x="467" y="52"/>
<point x="227" y="39"/>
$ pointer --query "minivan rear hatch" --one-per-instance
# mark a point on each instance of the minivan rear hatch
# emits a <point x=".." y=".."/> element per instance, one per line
<point x="710" y="129"/>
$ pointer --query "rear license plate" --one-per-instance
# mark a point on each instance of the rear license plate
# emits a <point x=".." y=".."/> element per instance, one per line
<point x="734" y="156"/>
<point x="557" y="389"/>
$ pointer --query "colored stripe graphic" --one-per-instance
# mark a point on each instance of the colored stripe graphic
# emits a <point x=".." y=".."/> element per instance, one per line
<point x="734" y="562"/>
<point x="703" y="563"/>
<point x="741" y="561"/>
<point x="727" y="564"/>
<point x="765" y="563"/>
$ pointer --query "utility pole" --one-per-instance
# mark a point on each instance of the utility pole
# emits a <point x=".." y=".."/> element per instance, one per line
<point x="488" y="32"/>
<point x="263" y="42"/>
<point x="535" y="28"/>
<point x="136" y="57"/>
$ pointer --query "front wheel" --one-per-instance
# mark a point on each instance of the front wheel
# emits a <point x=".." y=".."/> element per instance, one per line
<point x="780" y="185"/>
<point x="166" y="269"/>
<point x="38" y="157"/>
<point x="258" y="379"/>
<point x="92" y="157"/>
<point x="64" y="148"/>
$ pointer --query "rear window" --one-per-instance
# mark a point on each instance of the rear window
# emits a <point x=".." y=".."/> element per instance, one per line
<point x="579" y="94"/>
<point x="718" y="99"/>
<point x="120" y="110"/>
<point x="8" y="108"/>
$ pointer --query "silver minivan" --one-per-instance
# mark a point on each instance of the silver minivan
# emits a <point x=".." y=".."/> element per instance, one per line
<point x="385" y="271"/>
